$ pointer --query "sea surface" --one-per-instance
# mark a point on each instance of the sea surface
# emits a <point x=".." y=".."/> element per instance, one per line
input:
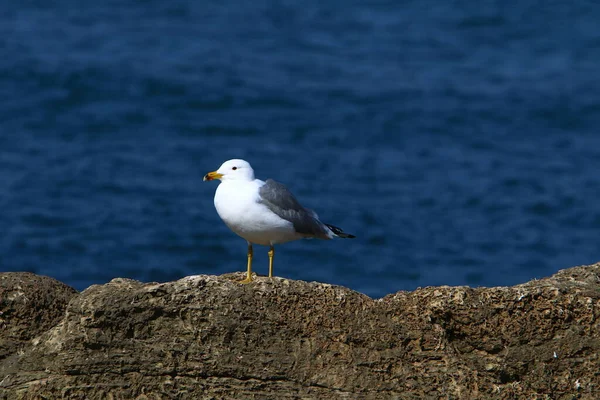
<point x="459" y="141"/>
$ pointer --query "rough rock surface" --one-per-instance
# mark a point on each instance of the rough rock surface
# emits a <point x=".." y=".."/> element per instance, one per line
<point x="29" y="305"/>
<point x="207" y="337"/>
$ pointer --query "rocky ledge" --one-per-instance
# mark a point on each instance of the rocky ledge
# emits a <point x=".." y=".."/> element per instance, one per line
<point x="210" y="337"/>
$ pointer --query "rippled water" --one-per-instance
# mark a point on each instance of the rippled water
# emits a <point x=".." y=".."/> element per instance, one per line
<point x="459" y="141"/>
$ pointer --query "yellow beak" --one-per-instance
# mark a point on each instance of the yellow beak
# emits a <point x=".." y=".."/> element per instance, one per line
<point x="212" y="175"/>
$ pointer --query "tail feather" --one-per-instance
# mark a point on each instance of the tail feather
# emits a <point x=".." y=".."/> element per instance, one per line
<point x="339" y="232"/>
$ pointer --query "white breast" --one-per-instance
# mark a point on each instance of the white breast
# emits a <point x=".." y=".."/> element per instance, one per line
<point x="237" y="205"/>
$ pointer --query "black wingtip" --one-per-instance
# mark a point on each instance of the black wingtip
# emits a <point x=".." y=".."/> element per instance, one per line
<point x="339" y="232"/>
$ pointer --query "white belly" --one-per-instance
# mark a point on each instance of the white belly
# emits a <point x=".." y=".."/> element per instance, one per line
<point x="237" y="205"/>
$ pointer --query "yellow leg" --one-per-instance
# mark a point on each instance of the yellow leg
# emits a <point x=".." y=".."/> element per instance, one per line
<point x="271" y="254"/>
<point x="249" y="273"/>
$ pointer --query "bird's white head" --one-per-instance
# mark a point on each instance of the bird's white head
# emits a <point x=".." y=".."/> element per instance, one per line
<point x="239" y="170"/>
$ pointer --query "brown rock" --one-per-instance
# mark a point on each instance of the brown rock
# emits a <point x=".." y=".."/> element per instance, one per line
<point x="29" y="305"/>
<point x="211" y="338"/>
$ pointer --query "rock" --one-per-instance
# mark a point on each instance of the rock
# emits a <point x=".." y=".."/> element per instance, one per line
<point x="29" y="305"/>
<point x="209" y="337"/>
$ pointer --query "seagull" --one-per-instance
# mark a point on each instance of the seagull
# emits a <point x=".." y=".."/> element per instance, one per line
<point x="264" y="213"/>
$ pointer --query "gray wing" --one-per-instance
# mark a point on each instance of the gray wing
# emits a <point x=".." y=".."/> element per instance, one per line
<point x="282" y="202"/>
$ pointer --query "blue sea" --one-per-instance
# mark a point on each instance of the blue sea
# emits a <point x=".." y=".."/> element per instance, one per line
<point x="458" y="140"/>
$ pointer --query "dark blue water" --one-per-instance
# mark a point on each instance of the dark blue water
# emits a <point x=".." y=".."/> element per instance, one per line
<point x="458" y="140"/>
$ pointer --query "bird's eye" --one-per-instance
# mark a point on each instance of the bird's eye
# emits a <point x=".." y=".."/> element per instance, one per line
<point x="234" y="168"/>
